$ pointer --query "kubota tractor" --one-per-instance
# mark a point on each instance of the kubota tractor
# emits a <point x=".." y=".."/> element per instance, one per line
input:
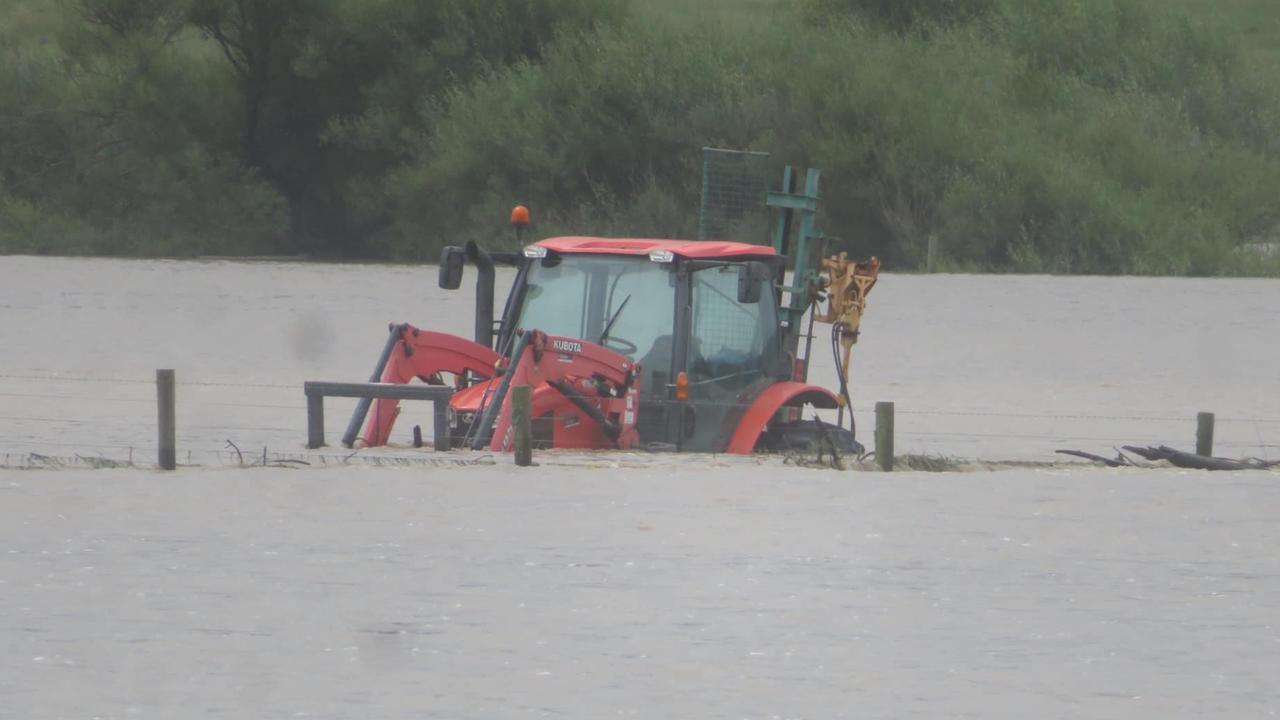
<point x="637" y="343"/>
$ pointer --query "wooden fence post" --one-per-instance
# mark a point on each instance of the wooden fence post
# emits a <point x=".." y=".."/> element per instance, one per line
<point x="315" y="421"/>
<point x="165" y="400"/>
<point x="441" y="436"/>
<point x="521" y="401"/>
<point x="884" y="435"/>
<point x="1204" y="433"/>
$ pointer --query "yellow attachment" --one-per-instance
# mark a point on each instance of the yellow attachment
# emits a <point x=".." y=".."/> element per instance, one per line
<point x="846" y="283"/>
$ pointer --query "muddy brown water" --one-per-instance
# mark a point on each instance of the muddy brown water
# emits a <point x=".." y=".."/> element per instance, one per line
<point x="647" y="586"/>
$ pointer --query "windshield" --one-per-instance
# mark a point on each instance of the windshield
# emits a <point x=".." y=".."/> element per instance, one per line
<point x="581" y="296"/>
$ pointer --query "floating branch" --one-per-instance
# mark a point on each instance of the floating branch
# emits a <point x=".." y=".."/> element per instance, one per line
<point x="1177" y="458"/>
<point x="1119" y="461"/>
<point x="238" y="453"/>
<point x="1199" y="462"/>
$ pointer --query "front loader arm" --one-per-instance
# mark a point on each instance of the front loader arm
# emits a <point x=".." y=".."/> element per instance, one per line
<point x="566" y="374"/>
<point x="424" y="354"/>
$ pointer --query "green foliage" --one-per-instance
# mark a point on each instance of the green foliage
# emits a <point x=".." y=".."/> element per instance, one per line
<point x="1074" y="179"/>
<point x="1083" y="136"/>
<point x="1114" y="136"/>
<point x="959" y="135"/>
<point x="900" y="15"/>
<point x="608" y="120"/>
<point x="330" y="90"/>
<point x="143" y="116"/>
<point x="103" y="154"/>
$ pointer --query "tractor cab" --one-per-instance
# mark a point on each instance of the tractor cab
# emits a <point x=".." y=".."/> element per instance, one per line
<point x="626" y="342"/>
<point x="699" y="318"/>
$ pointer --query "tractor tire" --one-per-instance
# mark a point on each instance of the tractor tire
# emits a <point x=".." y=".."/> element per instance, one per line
<point x="804" y="436"/>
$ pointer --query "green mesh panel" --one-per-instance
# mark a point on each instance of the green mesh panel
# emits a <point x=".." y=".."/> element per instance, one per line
<point x="734" y="188"/>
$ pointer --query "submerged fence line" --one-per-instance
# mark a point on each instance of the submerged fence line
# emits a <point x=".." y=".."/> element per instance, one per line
<point x="1069" y="416"/>
<point x="148" y="400"/>
<point x="862" y="409"/>
<point x="140" y="460"/>
<point x="199" y="431"/>
<point x="139" y="381"/>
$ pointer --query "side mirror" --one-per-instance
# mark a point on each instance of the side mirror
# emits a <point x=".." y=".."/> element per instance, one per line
<point x="750" y="274"/>
<point x="451" y="261"/>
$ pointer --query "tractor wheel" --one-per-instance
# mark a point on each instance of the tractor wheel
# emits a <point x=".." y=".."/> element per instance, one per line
<point x="807" y="436"/>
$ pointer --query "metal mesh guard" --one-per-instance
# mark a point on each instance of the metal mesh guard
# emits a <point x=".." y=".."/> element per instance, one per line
<point x="734" y="189"/>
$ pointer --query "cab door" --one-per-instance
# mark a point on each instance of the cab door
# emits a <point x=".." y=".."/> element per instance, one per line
<point x="639" y="312"/>
<point x="732" y="354"/>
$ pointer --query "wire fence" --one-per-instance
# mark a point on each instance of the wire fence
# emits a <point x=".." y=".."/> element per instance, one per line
<point x="297" y="388"/>
<point x="92" y="421"/>
<point x="140" y="381"/>
<point x="41" y="461"/>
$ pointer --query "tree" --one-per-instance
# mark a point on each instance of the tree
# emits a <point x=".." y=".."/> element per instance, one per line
<point x="106" y="143"/>
<point x="330" y="88"/>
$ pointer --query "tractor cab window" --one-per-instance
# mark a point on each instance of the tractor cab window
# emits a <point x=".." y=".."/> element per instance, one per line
<point x="641" y="304"/>
<point x="733" y="351"/>
<point x="730" y="338"/>
<point x="555" y="299"/>
<point x="625" y="303"/>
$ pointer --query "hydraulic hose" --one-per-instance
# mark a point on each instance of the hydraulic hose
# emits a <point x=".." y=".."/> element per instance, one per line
<point x="842" y="373"/>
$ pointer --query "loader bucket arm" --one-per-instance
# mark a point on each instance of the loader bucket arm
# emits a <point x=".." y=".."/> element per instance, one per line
<point x="566" y="373"/>
<point x="424" y="354"/>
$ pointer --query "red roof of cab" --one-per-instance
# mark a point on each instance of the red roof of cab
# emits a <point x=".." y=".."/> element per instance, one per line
<point x="695" y="249"/>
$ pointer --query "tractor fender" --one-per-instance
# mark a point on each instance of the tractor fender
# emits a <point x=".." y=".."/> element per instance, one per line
<point x="767" y="403"/>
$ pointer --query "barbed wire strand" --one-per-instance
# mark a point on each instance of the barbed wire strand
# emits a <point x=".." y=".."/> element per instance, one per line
<point x="150" y="401"/>
<point x="916" y="433"/>
<point x="139" y="381"/>
<point x="863" y="410"/>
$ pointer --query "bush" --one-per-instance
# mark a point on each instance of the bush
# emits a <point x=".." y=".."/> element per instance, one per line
<point x="608" y="123"/>
<point x="899" y="15"/>
<point x="103" y="159"/>
<point x="1030" y="135"/>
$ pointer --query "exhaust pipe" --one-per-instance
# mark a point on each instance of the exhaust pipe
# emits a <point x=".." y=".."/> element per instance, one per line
<point x="484" y="292"/>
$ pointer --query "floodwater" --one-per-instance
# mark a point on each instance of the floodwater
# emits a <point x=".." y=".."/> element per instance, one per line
<point x="701" y="592"/>
<point x="633" y="585"/>
<point x="993" y="367"/>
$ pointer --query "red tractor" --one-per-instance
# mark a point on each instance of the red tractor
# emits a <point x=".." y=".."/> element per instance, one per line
<point x="634" y="343"/>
